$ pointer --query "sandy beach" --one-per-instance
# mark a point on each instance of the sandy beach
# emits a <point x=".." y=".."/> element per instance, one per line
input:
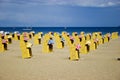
<point x="101" y="64"/>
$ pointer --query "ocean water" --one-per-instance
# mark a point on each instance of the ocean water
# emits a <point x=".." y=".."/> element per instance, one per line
<point x="104" y="30"/>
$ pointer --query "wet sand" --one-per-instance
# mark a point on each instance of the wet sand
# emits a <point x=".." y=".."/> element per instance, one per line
<point x="101" y="64"/>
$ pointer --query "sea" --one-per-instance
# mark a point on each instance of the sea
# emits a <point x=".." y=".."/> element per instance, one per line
<point x="104" y="30"/>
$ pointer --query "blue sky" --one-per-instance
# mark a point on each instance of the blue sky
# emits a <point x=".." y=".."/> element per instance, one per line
<point x="57" y="13"/>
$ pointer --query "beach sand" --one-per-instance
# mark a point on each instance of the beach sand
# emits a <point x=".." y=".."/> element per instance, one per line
<point x="101" y="64"/>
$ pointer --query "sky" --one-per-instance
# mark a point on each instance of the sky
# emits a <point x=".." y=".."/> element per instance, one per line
<point x="59" y="13"/>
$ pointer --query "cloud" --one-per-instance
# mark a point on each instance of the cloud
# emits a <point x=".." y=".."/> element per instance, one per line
<point x="83" y="3"/>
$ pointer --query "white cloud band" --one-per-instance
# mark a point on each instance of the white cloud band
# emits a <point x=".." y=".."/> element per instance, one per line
<point x="85" y="3"/>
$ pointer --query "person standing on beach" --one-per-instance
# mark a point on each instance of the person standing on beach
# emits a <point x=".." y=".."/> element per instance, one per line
<point x="4" y="42"/>
<point x="50" y="43"/>
<point x="62" y="41"/>
<point x="78" y="46"/>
